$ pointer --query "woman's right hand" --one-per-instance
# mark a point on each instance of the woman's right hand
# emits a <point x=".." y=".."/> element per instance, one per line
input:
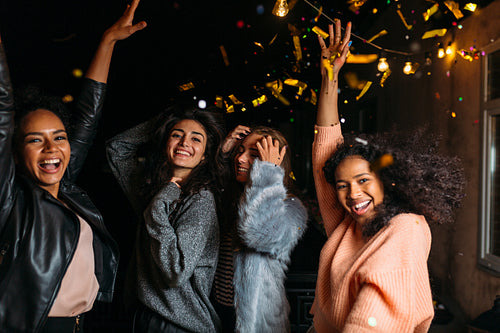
<point x="237" y="134"/>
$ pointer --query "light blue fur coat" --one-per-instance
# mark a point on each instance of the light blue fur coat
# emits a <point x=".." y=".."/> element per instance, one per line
<point x="270" y="225"/>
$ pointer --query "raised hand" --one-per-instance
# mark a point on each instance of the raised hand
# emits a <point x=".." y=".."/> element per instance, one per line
<point x="124" y="27"/>
<point x="334" y="55"/>
<point x="269" y="150"/>
<point x="236" y="135"/>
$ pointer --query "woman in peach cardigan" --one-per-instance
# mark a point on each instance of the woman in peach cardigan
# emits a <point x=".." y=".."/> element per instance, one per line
<point x="376" y="194"/>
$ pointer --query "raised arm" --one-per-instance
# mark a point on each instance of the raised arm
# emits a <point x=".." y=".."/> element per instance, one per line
<point x="122" y="29"/>
<point x="7" y="168"/>
<point x="328" y="132"/>
<point x="90" y="102"/>
<point x="332" y="59"/>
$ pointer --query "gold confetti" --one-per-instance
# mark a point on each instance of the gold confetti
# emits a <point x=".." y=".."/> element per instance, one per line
<point x="296" y="83"/>
<point x="276" y="87"/>
<point x="259" y="101"/>
<point x="380" y="34"/>
<point x="186" y="86"/>
<point x="382" y="162"/>
<point x="224" y="55"/>
<point x="434" y="33"/>
<point x="298" y="49"/>
<point x="365" y="89"/>
<point x="454" y="7"/>
<point x="386" y="75"/>
<point x="318" y="31"/>
<point x="431" y="11"/>
<point x="408" y="26"/>
<point x="234" y="99"/>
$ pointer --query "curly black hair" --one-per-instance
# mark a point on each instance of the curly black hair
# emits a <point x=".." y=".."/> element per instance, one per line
<point x="32" y="98"/>
<point x="420" y="180"/>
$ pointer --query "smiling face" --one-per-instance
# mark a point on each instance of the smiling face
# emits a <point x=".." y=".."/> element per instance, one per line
<point x="43" y="149"/>
<point x="247" y="153"/>
<point x="186" y="147"/>
<point x="359" y="189"/>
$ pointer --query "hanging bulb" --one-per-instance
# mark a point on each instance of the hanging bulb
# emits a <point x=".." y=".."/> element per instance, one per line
<point x="441" y="52"/>
<point x="449" y="49"/>
<point x="382" y="65"/>
<point x="280" y="8"/>
<point x="428" y="60"/>
<point x="407" y="68"/>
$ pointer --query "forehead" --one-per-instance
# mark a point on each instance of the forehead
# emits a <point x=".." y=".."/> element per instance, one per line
<point x="352" y="166"/>
<point x="41" y="120"/>
<point x="251" y="140"/>
<point x="189" y="125"/>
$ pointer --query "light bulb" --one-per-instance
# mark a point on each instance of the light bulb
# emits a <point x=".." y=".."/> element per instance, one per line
<point x="382" y="65"/>
<point x="441" y="52"/>
<point x="280" y="8"/>
<point x="407" y="68"/>
<point x="449" y="49"/>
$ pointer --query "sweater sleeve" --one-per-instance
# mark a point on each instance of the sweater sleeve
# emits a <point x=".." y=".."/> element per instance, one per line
<point x="395" y="293"/>
<point x="124" y="162"/>
<point x="325" y="143"/>
<point x="269" y="220"/>
<point x="177" y="239"/>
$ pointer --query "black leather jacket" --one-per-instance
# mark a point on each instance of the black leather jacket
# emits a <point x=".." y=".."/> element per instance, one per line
<point x="38" y="234"/>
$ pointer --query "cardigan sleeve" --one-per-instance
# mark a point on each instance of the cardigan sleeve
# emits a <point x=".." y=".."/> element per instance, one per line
<point x="325" y="143"/>
<point x="178" y="235"/>
<point x="123" y="159"/>
<point x="395" y="294"/>
<point x="270" y="221"/>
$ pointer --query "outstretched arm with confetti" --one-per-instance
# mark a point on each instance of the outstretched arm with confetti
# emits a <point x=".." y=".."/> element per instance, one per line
<point x="333" y="58"/>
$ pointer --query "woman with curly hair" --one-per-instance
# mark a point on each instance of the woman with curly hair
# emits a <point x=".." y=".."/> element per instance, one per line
<point x="169" y="170"/>
<point x="377" y="194"/>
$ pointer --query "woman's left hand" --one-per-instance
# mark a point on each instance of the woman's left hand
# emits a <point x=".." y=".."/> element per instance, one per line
<point x="124" y="27"/>
<point x="269" y="150"/>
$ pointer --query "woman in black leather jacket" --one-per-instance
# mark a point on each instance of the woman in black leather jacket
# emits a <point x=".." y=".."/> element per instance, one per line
<point x="49" y="228"/>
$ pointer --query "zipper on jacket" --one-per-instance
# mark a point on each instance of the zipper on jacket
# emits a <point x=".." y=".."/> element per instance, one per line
<point x="76" y="328"/>
<point x="3" y="251"/>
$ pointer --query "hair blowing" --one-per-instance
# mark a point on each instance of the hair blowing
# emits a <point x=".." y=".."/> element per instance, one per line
<point x="420" y="180"/>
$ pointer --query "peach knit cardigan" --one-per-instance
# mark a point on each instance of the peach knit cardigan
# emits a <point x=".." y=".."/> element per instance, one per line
<point x="381" y="285"/>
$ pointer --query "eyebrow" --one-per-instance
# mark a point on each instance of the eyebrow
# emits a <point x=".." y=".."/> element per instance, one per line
<point x="356" y="177"/>
<point x="40" y="133"/>
<point x="194" y="132"/>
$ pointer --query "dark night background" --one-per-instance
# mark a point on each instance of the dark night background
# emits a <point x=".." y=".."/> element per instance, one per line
<point x="46" y="40"/>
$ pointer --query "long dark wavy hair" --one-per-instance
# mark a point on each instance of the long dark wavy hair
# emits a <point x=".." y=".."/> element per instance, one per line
<point x="420" y="180"/>
<point x="205" y="175"/>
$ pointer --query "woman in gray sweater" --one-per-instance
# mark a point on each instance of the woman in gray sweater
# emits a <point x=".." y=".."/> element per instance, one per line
<point x="168" y="168"/>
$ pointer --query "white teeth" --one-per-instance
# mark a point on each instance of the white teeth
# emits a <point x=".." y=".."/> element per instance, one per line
<point x="181" y="152"/>
<point x="361" y="204"/>
<point x="52" y="161"/>
<point x="242" y="169"/>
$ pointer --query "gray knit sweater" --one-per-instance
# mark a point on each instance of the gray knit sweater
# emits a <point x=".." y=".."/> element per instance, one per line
<point x="176" y="245"/>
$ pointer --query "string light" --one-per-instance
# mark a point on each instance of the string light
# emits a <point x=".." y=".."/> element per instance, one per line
<point x="280" y="8"/>
<point x="441" y="52"/>
<point x="382" y="64"/>
<point x="407" y="68"/>
<point x="449" y="49"/>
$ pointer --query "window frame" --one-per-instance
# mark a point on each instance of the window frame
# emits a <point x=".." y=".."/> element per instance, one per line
<point x="489" y="109"/>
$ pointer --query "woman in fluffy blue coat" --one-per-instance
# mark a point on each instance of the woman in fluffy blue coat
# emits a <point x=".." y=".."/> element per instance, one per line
<point x="270" y="222"/>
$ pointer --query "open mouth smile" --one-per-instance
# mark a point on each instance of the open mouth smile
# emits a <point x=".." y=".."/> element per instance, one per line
<point x="51" y="165"/>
